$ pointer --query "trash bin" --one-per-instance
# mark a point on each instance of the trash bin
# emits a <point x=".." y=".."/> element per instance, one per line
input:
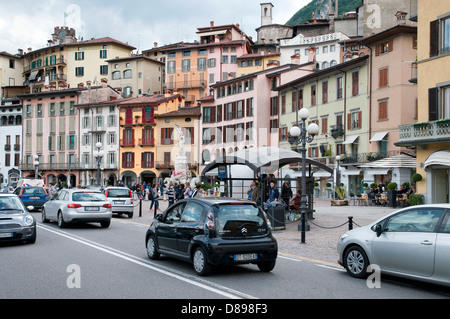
<point x="276" y="217"/>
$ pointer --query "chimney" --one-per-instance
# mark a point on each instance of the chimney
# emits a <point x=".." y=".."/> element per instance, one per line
<point x="311" y="54"/>
<point x="211" y="24"/>
<point x="295" y="59"/>
<point x="20" y="51"/>
<point x="155" y="44"/>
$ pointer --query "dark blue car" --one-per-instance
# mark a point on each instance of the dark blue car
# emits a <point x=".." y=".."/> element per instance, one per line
<point x="32" y="195"/>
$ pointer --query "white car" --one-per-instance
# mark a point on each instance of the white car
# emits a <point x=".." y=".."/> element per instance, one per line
<point x="413" y="242"/>
<point x="77" y="205"/>
<point x="121" y="199"/>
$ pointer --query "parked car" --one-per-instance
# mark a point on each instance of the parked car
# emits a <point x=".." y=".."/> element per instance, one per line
<point x="77" y="205"/>
<point x="35" y="196"/>
<point x="16" y="223"/>
<point x="121" y="199"/>
<point x="412" y="242"/>
<point x="209" y="232"/>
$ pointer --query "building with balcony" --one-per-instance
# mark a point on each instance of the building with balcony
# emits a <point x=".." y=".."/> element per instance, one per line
<point x="11" y="67"/>
<point x="139" y="134"/>
<point x="337" y="101"/>
<point x="99" y="123"/>
<point x="50" y="131"/>
<point x="430" y="136"/>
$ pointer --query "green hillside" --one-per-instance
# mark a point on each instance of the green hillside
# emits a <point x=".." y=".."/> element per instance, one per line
<point x="316" y="6"/>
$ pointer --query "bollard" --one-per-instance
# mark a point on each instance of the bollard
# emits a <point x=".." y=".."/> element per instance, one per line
<point x="350" y="222"/>
<point x="140" y="207"/>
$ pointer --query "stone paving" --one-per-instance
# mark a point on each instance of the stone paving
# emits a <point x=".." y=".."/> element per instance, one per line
<point x="320" y="240"/>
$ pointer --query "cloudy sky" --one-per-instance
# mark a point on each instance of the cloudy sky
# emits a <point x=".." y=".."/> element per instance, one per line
<point x="27" y="23"/>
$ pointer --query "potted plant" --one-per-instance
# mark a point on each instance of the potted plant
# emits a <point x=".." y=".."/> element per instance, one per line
<point x="392" y="193"/>
<point x="340" y="191"/>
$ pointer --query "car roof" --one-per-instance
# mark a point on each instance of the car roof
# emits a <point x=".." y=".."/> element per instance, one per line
<point x="220" y="200"/>
<point x="8" y="195"/>
<point x="82" y="190"/>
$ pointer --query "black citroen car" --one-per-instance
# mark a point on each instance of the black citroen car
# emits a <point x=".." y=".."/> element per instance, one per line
<point x="210" y="232"/>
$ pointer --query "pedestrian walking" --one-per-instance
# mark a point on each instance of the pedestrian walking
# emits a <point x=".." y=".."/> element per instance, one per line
<point x="181" y="192"/>
<point x="154" y="192"/>
<point x="187" y="190"/>
<point x="195" y="191"/>
<point x="286" y="193"/>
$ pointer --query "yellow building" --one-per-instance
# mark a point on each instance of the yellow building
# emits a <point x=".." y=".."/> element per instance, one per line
<point x="140" y="136"/>
<point x="431" y="134"/>
<point x="255" y="62"/>
<point x="88" y="60"/>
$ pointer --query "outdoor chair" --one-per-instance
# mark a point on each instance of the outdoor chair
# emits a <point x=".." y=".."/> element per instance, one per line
<point x="364" y="200"/>
<point x="352" y="198"/>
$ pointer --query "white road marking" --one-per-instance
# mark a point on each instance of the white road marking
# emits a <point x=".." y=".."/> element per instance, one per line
<point x="201" y="283"/>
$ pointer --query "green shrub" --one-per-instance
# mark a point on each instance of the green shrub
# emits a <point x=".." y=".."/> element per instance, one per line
<point x="372" y="185"/>
<point x="392" y="186"/>
<point x="405" y="185"/>
<point x="416" y="178"/>
<point x="415" y="199"/>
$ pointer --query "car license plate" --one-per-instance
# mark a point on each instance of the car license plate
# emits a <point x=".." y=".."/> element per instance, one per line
<point x="34" y="197"/>
<point x="92" y="209"/>
<point x="6" y="235"/>
<point x="119" y="202"/>
<point x="241" y="257"/>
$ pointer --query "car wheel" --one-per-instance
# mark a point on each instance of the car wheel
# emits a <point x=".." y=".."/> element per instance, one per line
<point x="105" y="224"/>
<point x="356" y="262"/>
<point x="61" y="222"/>
<point x="130" y="215"/>
<point x="44" y="217"/>
<point x="201" y="265"/>
<point x="152" y="251"/>
<point x="266" y="266"/>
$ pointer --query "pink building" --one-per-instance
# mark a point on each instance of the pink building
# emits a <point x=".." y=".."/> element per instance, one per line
<point x="244" y="112"/>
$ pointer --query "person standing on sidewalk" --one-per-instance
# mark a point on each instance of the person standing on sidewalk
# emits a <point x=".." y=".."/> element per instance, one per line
<point x="154" y="192"/>
<point x="170" y="194"/>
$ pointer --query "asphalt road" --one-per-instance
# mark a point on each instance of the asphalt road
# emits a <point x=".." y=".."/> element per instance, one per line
<point x="86" y="261"/>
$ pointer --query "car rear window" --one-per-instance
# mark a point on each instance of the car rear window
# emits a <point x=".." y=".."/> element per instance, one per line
<point x="240" y="220"/>
<point x="33" y="191"/>
<point x="88" y="197"/>
<point x="118" y="193"/>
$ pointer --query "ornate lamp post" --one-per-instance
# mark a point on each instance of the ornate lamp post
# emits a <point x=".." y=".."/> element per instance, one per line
<point x="98" y="155"/>
<point x="298" y="133"/>
<point x="36" y="166"/>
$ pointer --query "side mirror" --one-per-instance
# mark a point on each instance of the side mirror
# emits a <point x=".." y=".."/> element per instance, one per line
<point x="378" y="230"/>
<point x="159" y="217"/>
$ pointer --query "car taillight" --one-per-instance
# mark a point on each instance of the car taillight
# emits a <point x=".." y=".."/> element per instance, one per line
<point x="210" y="221"/>
<point x="20" y="195"/>
<point x="107" y="205"/>
<point x="131" y="196"/>
<point x="73" y="205"/>
<point x="106" y="193"/>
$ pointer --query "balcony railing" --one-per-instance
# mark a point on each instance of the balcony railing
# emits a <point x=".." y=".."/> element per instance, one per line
<point x="51" y="166"/>
<point x="137" y="121"/>
<point x="127" y="142"/>
<point x="186" y="84"/>
<point x="425" y="131"/>
<point x="337" y="131"/>
<point x="147" y="141"/>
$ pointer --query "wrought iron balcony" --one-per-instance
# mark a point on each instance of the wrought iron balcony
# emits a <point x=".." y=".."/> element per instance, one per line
<point x="424" y="132"/>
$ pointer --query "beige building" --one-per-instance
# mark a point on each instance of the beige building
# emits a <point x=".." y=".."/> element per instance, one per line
<point x="136" y="75"/>
<point x="431" y="135"/>
<point x="11" y="68"/>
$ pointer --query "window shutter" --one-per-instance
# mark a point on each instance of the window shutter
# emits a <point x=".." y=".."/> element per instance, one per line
<point x="162" y="136"/>
<point x="359" y="119"/>
<point x="391" y="45"/>
<point x="432" y="104"/>
<point x="171" y="135"/>
<point x="213" y="114"/>
<point x="349" y="121"/>
<point x="377" y="49"/>
<point x="434" y="38"/>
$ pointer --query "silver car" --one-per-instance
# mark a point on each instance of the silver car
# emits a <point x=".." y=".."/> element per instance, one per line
<point x="77" y="205"/>
<point x="413" y="242"/>
<point x="121" y="199"/>
<point x="16" y="223"/>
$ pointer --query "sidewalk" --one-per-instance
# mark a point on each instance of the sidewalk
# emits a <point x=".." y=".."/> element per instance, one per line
<point x="320" y="241"/>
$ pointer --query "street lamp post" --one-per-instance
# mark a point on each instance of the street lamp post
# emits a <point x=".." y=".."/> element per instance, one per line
<point x="300" y="137"/>
<point x="36" y="166"/>
<point x="98" y="154"/>
<point x="338" y="177"/>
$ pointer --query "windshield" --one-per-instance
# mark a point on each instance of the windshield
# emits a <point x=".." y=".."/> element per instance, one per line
<point x="33" y="191"/>
<point x="88" y="197"/>
<point x="10" y="205"/>
<point x="240" y="220"/>
<point x="118" y="192"/>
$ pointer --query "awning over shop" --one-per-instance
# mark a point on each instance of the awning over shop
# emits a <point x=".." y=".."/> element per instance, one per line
<point x="402" y="160"/>
<point x="205" y="34"/>
<point x="377" y="171"/>
<point x="438" y="158"/>
<point x="318" y="173"/>
<point x="351" y="139"/>
<point x="351" y="171"/>
<point x="378" y="136"/>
